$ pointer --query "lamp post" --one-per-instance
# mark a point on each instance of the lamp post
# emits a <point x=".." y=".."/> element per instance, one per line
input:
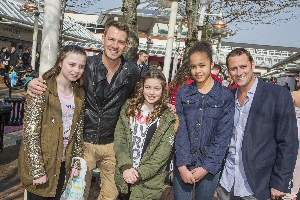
<point x="32" y="7"/>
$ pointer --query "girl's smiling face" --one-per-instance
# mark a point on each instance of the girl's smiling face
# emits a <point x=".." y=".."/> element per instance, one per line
<point x="152" y="91"/>
<point x="72" y="67"/>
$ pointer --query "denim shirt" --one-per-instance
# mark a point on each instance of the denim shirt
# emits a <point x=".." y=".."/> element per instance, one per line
<point x="206" y="122"/>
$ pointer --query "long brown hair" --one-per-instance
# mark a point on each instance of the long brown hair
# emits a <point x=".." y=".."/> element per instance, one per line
<point x="180" y="79"/>
<point x="135" y="104"/>
<point x="55" y="70"/>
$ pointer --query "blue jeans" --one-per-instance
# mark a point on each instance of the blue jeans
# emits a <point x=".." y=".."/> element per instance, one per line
<point x="204" y="189"/>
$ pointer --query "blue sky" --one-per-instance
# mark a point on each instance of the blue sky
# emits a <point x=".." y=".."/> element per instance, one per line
<point x="285" y="33"/>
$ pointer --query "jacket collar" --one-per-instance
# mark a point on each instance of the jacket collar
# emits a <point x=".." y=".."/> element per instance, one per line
<point x="213" y="93"/>
<point x="52" y="87"/>
<point x="100" y="71"/>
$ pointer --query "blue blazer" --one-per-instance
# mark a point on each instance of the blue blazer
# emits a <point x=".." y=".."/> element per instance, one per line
<point x="206" y="123"/>
<point x="270" y="143"/>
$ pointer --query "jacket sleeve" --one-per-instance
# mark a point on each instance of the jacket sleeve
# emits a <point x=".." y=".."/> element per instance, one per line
<point x="221" y="138"/>
<point x="121" y="144"/>
<point x="161" y="155"/>
<point x="34" y="108"/>
<point x="78" y="146"/>
<point x="286" y="138"/>
<point x="182" y="143"/>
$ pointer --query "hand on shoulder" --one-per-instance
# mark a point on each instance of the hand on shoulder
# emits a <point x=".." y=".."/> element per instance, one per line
<point x="36" y="87"/>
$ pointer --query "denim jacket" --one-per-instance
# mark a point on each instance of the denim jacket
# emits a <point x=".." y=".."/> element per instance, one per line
<point x="206" y="122"/>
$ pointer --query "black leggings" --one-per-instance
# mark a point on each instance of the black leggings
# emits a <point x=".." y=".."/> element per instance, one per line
<point x="61" y="181"/>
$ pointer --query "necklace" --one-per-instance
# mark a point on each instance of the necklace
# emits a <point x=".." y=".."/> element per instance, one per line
<point x="141" y="119"/>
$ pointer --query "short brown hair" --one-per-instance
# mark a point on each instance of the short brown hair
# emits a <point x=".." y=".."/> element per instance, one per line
<point x="143" y="51"/>
<point x="239" y="52"/>
<point x="119" y="25"/>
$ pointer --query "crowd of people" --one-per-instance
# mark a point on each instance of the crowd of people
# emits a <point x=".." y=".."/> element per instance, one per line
<point x="123" y="118"/>
<point x="16" y="66"/>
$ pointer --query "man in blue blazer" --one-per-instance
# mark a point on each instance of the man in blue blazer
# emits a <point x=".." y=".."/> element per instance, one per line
<point x="264" y="144"/>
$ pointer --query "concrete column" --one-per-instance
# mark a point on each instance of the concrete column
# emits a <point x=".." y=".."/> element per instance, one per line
<point x="169" y="46"/>
<point x="201" y="21"/>
<point x="34" y="40"/>
<point x="52" y="10"/>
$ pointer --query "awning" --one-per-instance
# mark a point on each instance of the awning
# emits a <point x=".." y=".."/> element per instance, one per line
<point x="11" y="15"/>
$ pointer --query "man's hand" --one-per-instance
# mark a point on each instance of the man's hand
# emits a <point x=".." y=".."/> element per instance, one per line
<point x="172" y="108"/>
<point x="36" y="87"/>
<point x="41" y="180"/>
<point x="186" y="175"/>
<point x="276" y="194"/>
<point x="74" y="173"/>
<point x="199" y="173"/>
<point x="130" y="175"/>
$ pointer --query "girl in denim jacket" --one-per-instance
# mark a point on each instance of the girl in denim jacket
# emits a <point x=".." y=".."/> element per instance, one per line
<point x="205" y="109"/>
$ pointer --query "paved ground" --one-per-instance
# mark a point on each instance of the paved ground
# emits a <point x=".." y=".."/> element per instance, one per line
<point x="15" y="93"/>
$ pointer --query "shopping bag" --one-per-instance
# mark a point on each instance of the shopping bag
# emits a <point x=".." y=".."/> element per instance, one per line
<point x="75" y="187"/>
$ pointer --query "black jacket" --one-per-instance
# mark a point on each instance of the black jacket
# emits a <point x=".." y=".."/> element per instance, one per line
<point x="101" y="119"/>
<point x="26" y="58"/>
<point x="14" y="57"/>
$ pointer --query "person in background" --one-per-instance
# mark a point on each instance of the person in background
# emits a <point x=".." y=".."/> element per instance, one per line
<point x="286" y="85"/>
<point x="53" y="128"/>
<point x="160" y="67"/>
<point x="182" y="77"/>
<point x="216" y="71"/>
<point x="26" y="58"/>
<point x="296" y="178"/>
<point x="142" y="62"/>
<point x="2" y="69"/>
<point x="28" y="76"/>
<point x="14" y="57"/>
<point x="19" y="67"/>
<point x="264" y="142"/>
<point x="205" y="109"/>
<point x="232" y="85"/>
<point x="144" y="139"/>
<point x="4" y="58"/>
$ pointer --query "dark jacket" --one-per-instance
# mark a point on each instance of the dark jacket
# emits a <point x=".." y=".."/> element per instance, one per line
<point x="42" y="146"/>
<point x="101" y="118"/>
<point x="153" y="164"/>
<point x="206" y="123"/>
<point x="270" y="142"/>
<point x="143" y="68"/>
<point x="14" y="57"/>
<point x="26" y="58"/>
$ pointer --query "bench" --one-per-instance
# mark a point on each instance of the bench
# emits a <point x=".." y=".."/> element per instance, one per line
<point x="5" y="109"/>
<point x="7" y="81"/>
<point x="11" y="114"/>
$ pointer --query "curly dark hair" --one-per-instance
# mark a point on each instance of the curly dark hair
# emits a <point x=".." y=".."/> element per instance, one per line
<point x="135" y="104"/>
<point x="180" y="79"/>
<point x="55" y="70"/>
<point x="202" y="46"/>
